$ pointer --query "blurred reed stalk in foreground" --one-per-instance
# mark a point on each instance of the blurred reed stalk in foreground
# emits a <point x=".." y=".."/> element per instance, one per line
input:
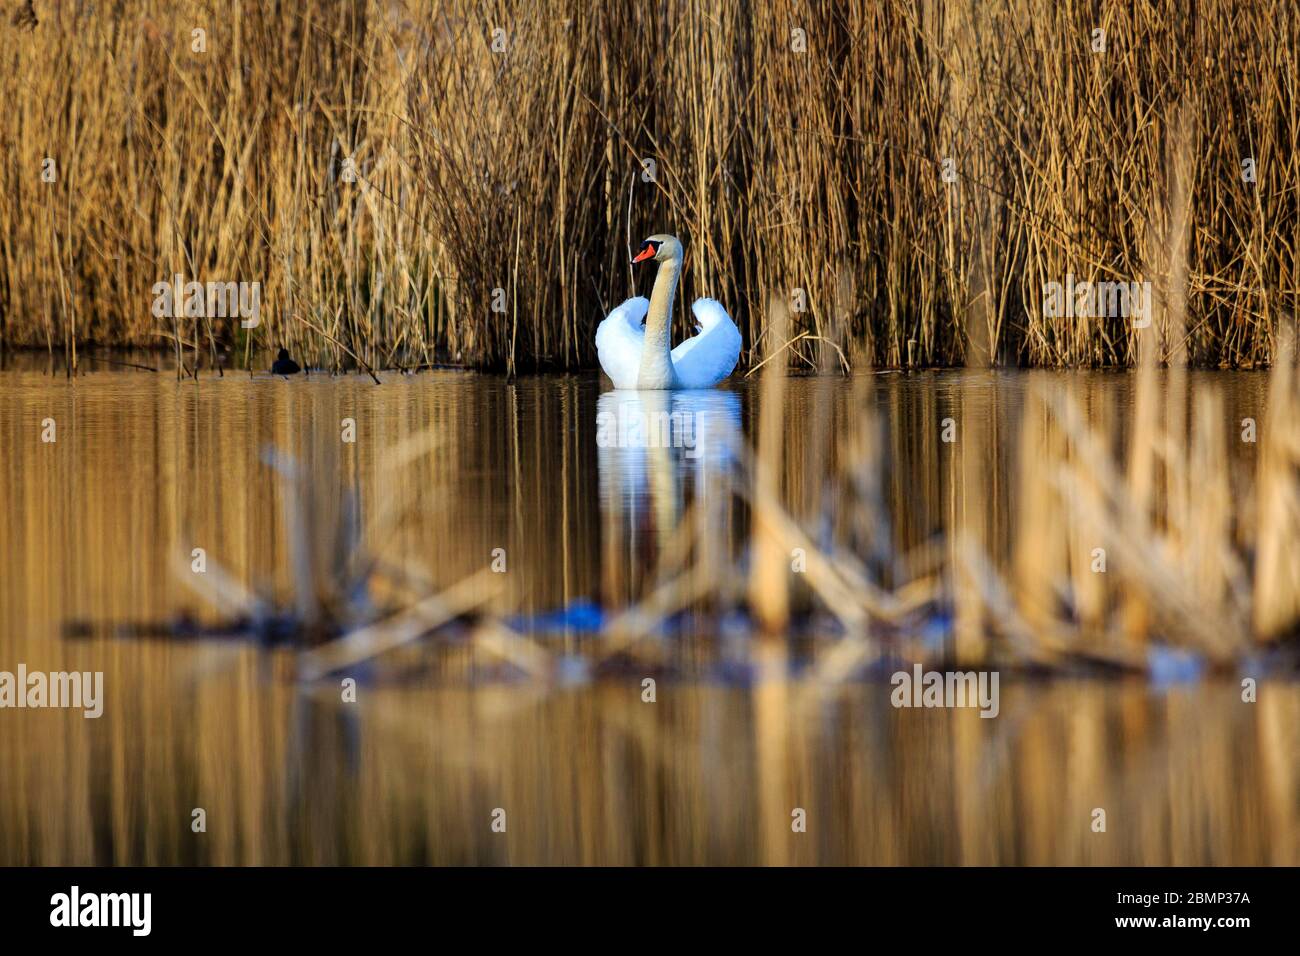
<point x="770" y="559"/>
<point x="458" y="182"/>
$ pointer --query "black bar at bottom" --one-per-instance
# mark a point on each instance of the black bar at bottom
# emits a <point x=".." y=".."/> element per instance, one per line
<point x="549" y="906"/>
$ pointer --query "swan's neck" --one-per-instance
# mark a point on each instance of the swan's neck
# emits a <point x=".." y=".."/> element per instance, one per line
<point x="656" y="355"/>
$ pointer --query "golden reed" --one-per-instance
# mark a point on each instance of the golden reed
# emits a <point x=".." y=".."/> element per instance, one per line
<point x="457" y="182"/>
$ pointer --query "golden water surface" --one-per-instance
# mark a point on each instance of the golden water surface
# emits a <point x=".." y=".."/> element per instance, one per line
<point x="99" y="526"/>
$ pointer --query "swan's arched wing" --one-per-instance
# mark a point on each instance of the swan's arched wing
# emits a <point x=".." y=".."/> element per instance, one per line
<point x="619" y="341"/>
<point x="705" y="359"/>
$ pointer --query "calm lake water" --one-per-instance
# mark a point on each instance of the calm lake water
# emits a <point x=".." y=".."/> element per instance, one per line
<point x="100" y="525"/>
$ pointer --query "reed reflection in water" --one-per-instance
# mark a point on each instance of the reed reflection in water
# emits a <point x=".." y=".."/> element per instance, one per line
<point x="145" y="469"/>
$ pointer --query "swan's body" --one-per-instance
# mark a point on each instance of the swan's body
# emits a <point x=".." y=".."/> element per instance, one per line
<point x="701" y="361"/>
<point x="640" y="356"/>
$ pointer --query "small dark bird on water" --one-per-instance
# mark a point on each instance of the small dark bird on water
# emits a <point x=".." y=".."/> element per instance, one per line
<point x="25" y="17"/>
<point x="284" y="365"/>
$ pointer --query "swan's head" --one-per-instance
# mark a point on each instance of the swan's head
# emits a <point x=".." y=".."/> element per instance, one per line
<point x="661" y="248"/>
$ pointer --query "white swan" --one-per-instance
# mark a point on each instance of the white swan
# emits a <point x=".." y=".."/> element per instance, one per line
<point x="639" y="357"/>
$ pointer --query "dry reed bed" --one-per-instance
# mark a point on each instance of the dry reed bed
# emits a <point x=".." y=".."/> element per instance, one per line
<point x="1135" y="545"/>
<point x="519" y="170"/>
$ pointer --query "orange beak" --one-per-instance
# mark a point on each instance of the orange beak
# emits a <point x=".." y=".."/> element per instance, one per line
<point x="646" y="253"/>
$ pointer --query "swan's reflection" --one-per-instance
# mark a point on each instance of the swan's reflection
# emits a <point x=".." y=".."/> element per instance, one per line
<point x="657" y="451"/>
